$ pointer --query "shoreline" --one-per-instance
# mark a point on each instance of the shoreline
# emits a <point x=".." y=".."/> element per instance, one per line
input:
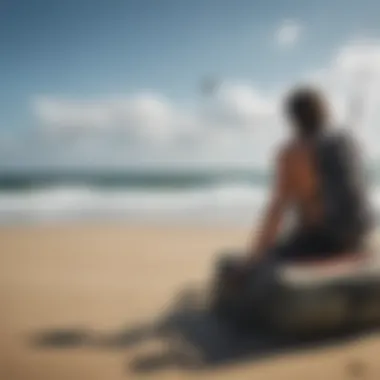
<point x="133" y="224"/>
<point x="128" y="224"/>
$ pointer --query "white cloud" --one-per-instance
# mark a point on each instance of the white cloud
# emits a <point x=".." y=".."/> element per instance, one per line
<point x="151" y="114"/>
<point x="288" y="33"/>
<point x="143" y="114"/>
<point x="237" y="106"/>
<point x="352" y="82"/>
<point x="149" y="119"/>
<point x="237" y="124"/>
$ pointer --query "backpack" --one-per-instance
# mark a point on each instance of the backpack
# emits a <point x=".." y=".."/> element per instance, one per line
<point x="344" y="195"/>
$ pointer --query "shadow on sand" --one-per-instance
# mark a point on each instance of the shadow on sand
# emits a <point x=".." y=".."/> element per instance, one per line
<point x="192" y="340"/>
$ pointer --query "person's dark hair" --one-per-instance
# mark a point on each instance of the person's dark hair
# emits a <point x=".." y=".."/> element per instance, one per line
<point x="307" y="108"/>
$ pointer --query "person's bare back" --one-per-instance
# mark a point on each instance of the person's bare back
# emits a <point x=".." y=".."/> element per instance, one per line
<point x="304" y="190"/>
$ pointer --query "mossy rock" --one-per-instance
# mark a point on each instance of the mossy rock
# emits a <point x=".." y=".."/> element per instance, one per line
<point x="315" y="299"/>
<point x="308" y="299"/>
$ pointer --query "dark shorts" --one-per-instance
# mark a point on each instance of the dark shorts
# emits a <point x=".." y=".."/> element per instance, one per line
<point x="300" y="246"/>
<point x="254" y="283"/>
<point x="311" y="244"/>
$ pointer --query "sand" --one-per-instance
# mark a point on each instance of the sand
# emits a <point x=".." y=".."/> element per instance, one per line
<point x="116" y="302"/>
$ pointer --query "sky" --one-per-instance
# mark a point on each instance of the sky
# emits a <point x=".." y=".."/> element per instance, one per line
<point x="119" y="83"/>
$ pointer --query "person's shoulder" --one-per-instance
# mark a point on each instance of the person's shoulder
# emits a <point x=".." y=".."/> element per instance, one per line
<point x="286" y="151"/>
<point x="289" y="148"/>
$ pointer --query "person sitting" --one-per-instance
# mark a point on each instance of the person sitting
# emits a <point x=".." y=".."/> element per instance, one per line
<point x="320" y="175"/>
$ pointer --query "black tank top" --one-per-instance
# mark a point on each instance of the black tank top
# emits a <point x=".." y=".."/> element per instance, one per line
<point x="344" y="192"/>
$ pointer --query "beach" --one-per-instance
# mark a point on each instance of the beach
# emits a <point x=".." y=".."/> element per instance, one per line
<point x="95" y="301"/>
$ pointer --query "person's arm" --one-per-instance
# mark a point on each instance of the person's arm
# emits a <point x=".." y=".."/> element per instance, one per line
<point x="275" y="211"/>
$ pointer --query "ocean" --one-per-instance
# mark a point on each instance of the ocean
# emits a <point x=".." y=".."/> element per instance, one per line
<point x="170" y="196"/>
